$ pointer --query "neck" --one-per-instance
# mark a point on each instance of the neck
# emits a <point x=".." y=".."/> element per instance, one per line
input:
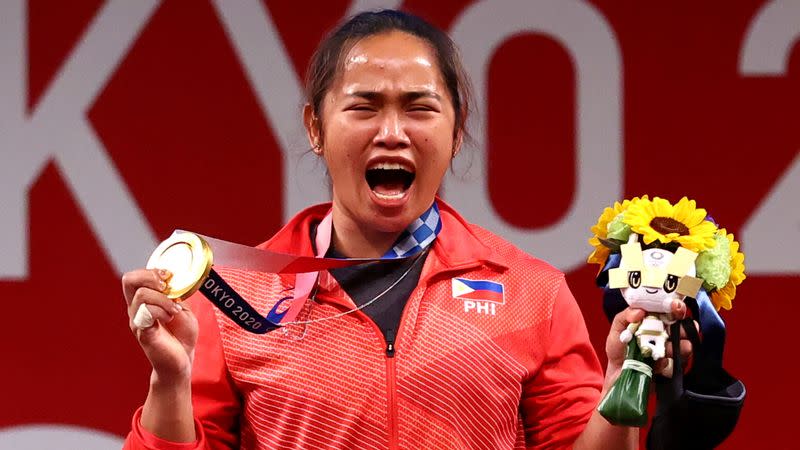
<point x="356" y="241"/>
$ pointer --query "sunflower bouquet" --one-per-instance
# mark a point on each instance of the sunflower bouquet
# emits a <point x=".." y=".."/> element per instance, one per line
<point x="655" y="252"/>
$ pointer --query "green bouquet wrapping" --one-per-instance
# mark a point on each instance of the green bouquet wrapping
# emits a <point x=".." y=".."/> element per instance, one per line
<point x="626" y="402"/>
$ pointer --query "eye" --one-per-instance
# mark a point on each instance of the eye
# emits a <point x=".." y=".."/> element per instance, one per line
<point x="420" y="111"/>
<point x="670" y="284"/>
<point x="635" y="279"/>
<point x="361" y="105"/>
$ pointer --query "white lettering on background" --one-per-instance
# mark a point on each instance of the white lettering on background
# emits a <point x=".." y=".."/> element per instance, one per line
<point x="585" y="34"/>
<point x="58" y="130"/>
<point x="772" y="233"/>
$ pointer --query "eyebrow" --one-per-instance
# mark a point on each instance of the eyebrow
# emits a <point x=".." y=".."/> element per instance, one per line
<point x="407" y="96"/>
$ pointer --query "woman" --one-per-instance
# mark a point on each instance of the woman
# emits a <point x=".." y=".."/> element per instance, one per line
<point x="388" y="355"/>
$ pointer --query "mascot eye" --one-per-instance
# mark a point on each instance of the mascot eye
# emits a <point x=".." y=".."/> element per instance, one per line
<point x="670" y="284"/>
<point x="635" y="279"/>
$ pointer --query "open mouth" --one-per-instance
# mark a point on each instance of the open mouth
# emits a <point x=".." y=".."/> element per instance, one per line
<point x="390" y="181"/>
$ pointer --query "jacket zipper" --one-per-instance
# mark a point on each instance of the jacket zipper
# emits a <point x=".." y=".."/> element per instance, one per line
<point x="391" y="379"/>
<point x="391" y="390"/>
<point x="391" y="366"/>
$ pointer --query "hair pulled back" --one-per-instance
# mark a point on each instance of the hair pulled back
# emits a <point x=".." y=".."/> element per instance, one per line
<point x="328" y="58"/>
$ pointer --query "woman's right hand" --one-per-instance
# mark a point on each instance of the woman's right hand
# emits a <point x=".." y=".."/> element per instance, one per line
<point x="170" y="341"/>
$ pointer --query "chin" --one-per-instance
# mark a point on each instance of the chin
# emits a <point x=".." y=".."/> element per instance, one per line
<point x="392" y="221"/>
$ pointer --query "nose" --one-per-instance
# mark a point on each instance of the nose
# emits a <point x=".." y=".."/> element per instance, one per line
<point x="392" y="134"/>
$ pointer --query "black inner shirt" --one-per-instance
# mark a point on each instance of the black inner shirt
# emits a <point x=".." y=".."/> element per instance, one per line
<point x="365" y="281"/>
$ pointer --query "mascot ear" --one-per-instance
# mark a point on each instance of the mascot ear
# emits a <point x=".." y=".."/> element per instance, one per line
<point x="618" y="278"/>
<point x="682" y="263"/>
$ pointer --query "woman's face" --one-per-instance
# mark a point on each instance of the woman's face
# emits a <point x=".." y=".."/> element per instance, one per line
<point x="387" y="131"/>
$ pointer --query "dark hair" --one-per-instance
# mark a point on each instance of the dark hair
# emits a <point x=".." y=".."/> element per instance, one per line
<point x="327" y="59"/>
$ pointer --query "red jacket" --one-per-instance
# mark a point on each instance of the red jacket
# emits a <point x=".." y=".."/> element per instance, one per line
<point x="464" y="374"/>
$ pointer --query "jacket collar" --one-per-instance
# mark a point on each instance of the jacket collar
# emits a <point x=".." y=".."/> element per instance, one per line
<point x="457" y="246"/>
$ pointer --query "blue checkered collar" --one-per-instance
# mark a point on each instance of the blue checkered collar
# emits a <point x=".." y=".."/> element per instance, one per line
<point x="419" y="235"/>
<point x="416" y="237"/>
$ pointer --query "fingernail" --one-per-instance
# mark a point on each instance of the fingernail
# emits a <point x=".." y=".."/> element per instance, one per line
<point x="162" y="285"/>
<point x="177" y="308"/>
<point x="164" y="274"/>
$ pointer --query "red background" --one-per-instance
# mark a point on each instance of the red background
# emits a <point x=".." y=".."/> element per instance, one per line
<point x="181" y="95"/>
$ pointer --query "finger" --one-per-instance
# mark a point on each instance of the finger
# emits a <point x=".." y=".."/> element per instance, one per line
<point x="149" y="296"/>
<point x="155" y="279"/>
<point x="635" y="315"/>
<point x="143" y="318"/>
<point x="664" y="366"/>
<point x="686" y="350"/>
<point x="184" y="327"/>
<point x="627" y="316"/>
<point x="147" y="316"/>
<point x="678" y="309"/>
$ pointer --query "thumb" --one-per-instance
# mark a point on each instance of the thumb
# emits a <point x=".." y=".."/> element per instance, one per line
<point x="627" y="316"/>
<point x="615" y="349"/>
<point x="150" y="337"/>
<point x="184" y="327"/>
<point x="166" y="354"/>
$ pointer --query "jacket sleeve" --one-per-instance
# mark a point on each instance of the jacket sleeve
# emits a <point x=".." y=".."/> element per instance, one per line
<point x="559" y="399"/>
<point x="215" y="400"/>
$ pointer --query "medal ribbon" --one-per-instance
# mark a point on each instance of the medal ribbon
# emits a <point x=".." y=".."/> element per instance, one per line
<point x="418" y="236"/>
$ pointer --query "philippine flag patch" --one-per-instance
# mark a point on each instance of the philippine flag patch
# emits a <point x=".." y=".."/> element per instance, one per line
<point x="480" y="290"/>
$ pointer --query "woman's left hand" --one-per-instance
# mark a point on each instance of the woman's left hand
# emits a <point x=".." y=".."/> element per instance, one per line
<point x="615" y="349"/>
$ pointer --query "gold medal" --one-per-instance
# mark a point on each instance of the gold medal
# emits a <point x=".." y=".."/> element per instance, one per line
<point x="188" y="257"/>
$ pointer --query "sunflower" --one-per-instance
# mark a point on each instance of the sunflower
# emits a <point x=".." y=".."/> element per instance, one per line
<point x="721" y="298"/>
<point x="683" y="223"/>
<point x="601" y="228"/>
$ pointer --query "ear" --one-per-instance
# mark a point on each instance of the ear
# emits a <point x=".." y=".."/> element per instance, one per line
<point x="313" y="131"/>
<point x="458" y="141"/>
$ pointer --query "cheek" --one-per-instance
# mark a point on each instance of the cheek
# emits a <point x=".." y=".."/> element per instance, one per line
<point x="339" y="145"/>
<point x="342" y="169"/>
<point x="339" y="165"/>
<point x="437" y="146"/>
<point x="342" y="129"/>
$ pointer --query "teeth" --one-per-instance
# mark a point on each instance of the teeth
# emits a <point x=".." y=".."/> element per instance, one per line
<point x="390" y="166"/>
<point x="396" y="196"/>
